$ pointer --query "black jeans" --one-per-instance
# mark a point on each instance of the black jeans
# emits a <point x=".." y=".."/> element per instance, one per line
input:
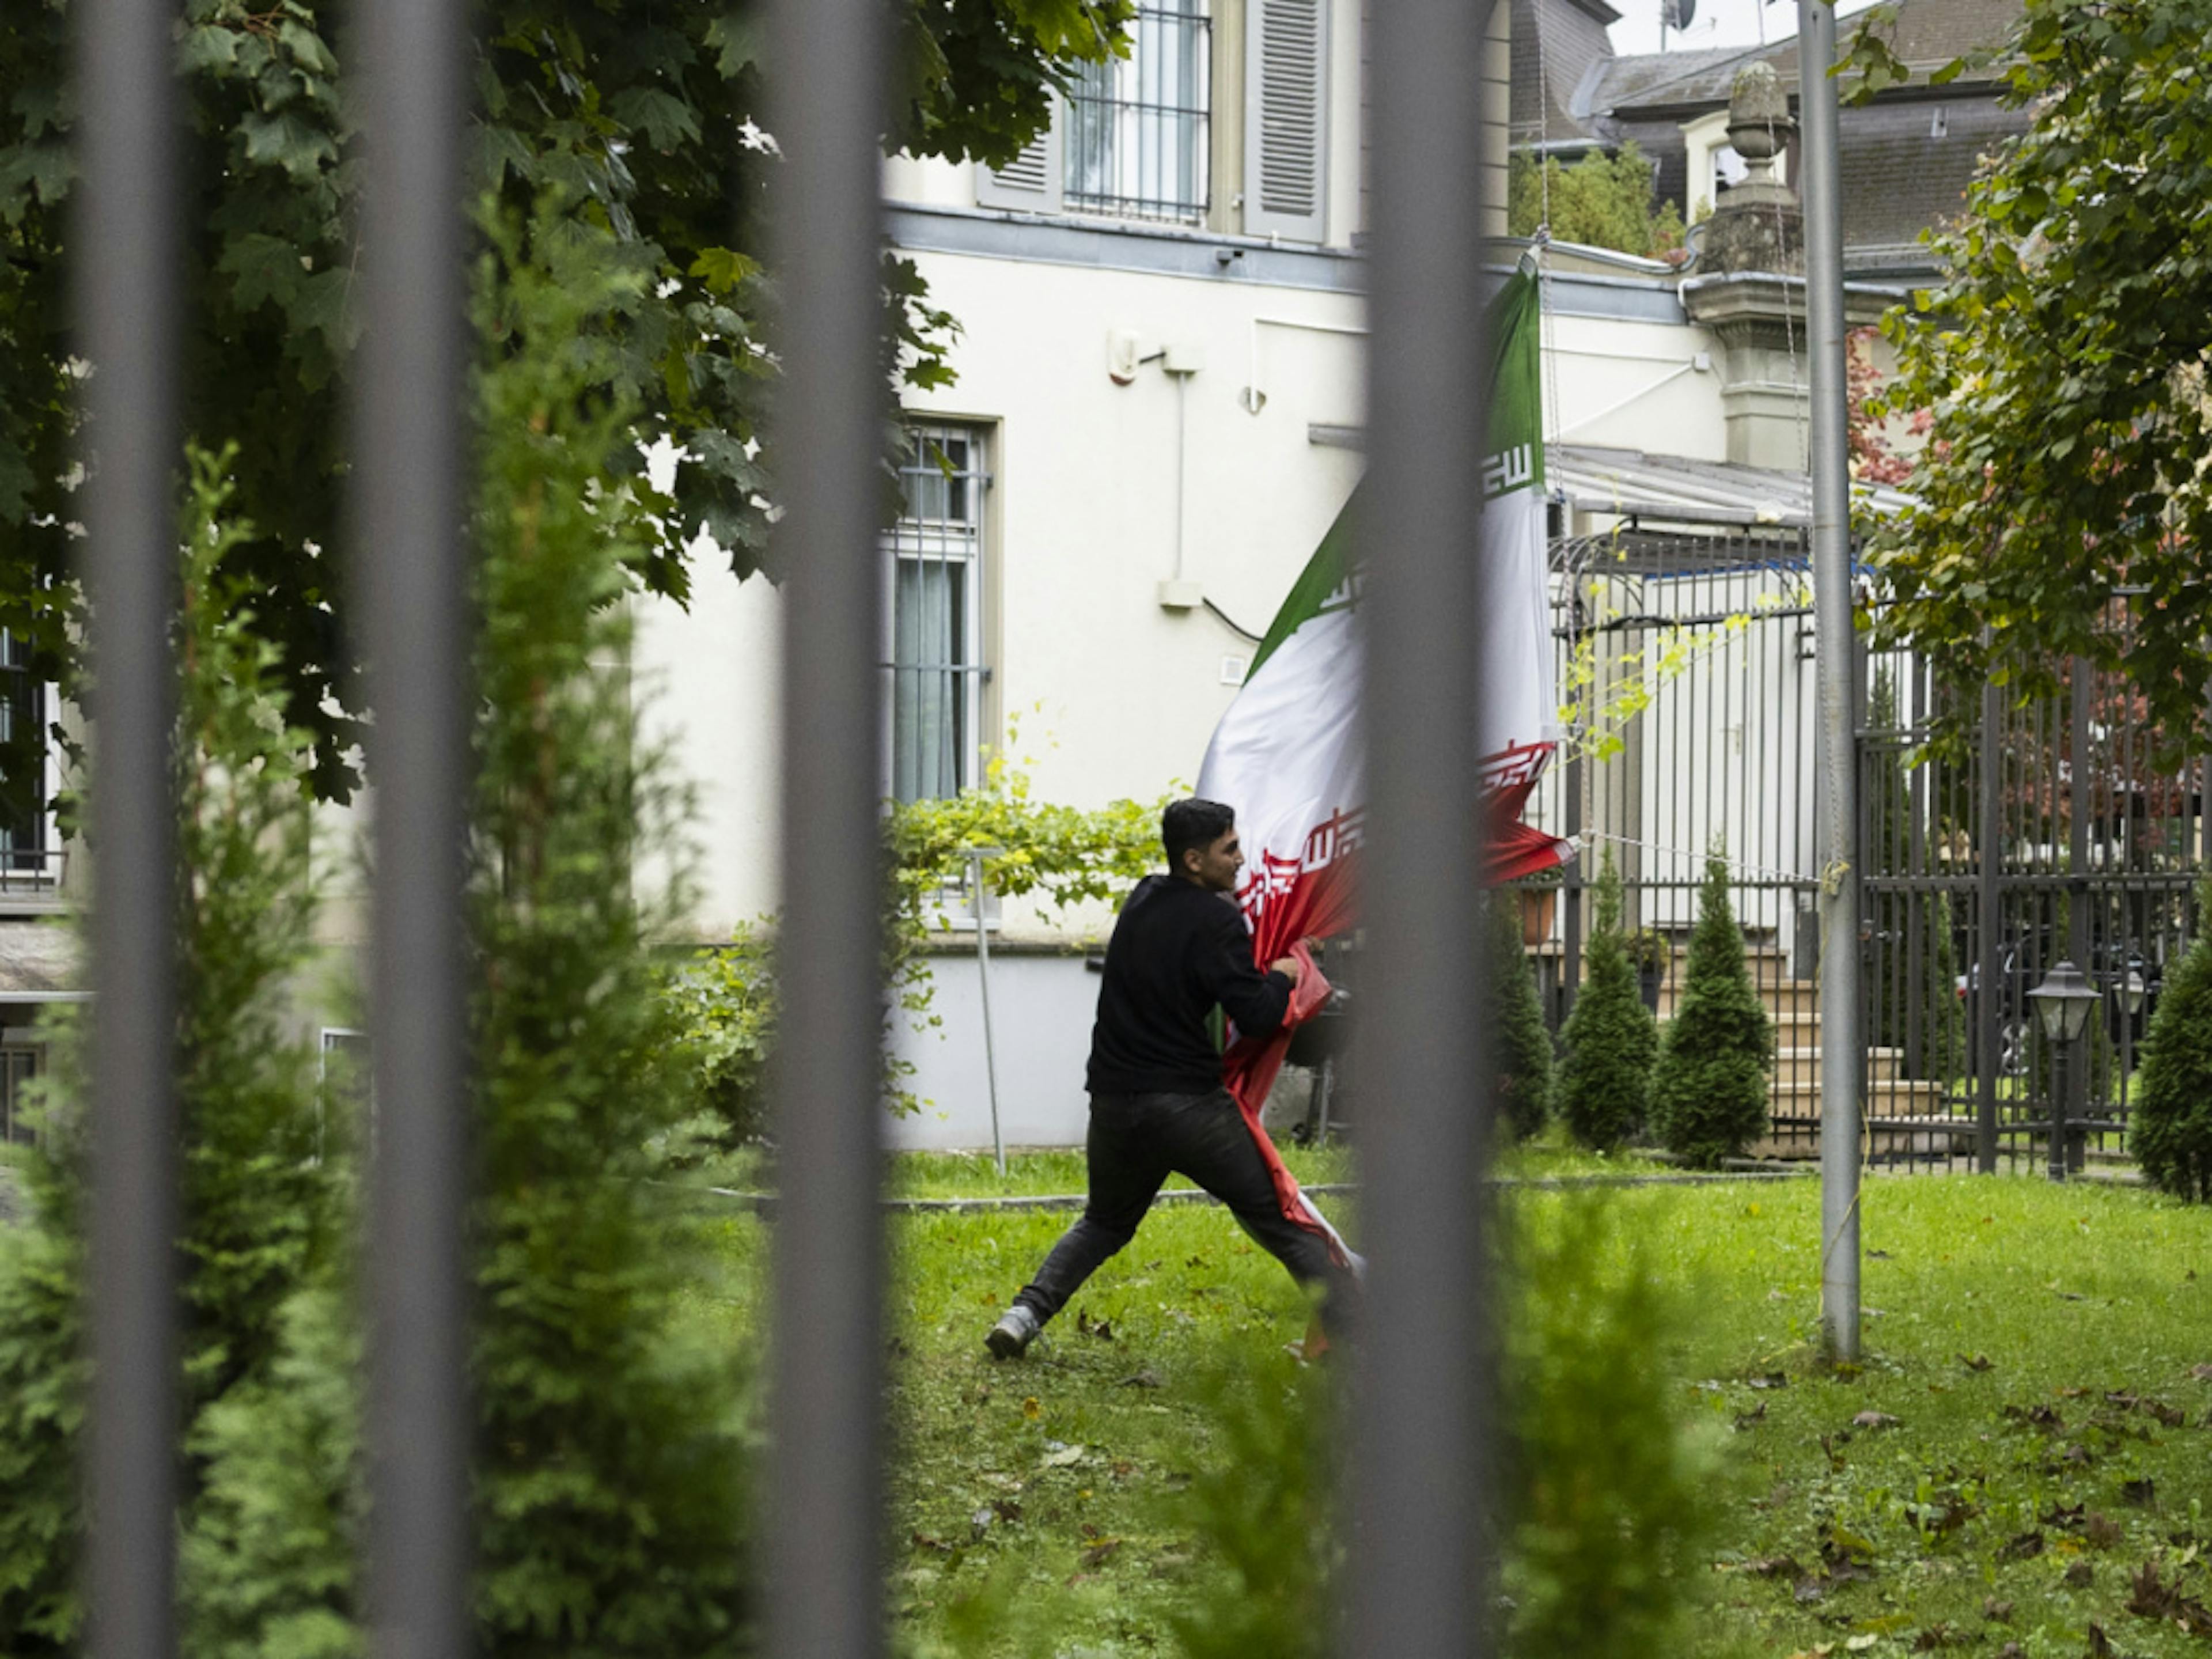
<point x="1135" y="1142"/>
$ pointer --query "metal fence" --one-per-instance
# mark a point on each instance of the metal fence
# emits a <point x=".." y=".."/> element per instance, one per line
<point x="2059" y="831"/>
<point x="2062" y="833"/>
<point x="1687" y="652"/>
<point x="1421" y="1470"/>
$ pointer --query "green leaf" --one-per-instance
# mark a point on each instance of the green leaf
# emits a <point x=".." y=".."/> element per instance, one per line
<point x="667" y="120"/>
<point x="285" y="141"/>
<point x="206" y="48"/>
<point x="736" y="38"/>
<point x="722" y="268"/>
<point x="265" y="269"/>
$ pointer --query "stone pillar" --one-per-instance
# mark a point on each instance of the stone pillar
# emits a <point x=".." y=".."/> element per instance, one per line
<point x="1749" y="289"/>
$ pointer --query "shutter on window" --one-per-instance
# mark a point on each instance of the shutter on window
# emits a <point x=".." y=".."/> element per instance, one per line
<point x="1032" y="182"/>
<point x="1285" y="57"/>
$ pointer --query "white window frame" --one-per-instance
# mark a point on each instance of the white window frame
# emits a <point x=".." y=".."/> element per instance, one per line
<point x="9" y="1053"/>
<point x="958" y="682"/>
<point x="1132" y="97"/>
<point x="47" y="876"/>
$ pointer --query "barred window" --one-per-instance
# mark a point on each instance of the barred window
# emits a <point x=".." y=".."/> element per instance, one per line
<point x="1138" y="139"/>
<point x="937" y="665"/>
<point x="22" y="761"/>
<point x="18" y="1066"/>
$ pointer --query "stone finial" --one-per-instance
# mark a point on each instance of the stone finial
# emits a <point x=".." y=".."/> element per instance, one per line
<point x="1758" y="117"/>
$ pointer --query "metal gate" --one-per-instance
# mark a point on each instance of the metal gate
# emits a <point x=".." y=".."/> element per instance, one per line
<point x="2059" y="834"/>
<point x="1686" y="654"/>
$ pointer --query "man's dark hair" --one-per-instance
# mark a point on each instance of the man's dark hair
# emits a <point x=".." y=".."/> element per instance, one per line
<point x="1193" y="823"/>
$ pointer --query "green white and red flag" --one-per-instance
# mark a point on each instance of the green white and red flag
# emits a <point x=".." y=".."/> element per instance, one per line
<point x="1289" y="754"/>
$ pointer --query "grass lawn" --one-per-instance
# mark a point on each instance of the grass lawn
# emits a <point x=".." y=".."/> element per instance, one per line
<point x="2027" y="1435"/>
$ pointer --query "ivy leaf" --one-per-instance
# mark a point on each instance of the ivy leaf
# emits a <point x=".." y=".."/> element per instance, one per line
<point x="722" y="268"/>
<point x="29" y="172"/>
<point x="264" y="269"/>
<point x="668" y="122"/>
<point x="323" y="307"/>
<point x="736" y="38"/>
<point x="289" y="143"/>
<point x="206" y="48"/>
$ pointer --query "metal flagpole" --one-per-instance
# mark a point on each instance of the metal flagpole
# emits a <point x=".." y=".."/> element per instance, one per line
<point x="1835" y="654"/>
<point x="975" y="857"/>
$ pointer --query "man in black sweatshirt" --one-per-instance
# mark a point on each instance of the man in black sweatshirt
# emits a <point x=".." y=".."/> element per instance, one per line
<point x="1157" y="1106"/>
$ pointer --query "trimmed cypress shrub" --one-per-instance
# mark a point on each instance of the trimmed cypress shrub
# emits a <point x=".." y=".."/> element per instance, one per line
<point x="1610" y="1039"/>
<point x="610" y="1471"/>
<point x="2170" y="1131"/>
<point x="1522" y="1057"/>
<point x="260" y="1208"/>
<point x="1709" y="1088"/>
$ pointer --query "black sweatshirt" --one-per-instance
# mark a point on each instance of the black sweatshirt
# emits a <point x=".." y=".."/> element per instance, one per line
<point x="1176" y="952"/>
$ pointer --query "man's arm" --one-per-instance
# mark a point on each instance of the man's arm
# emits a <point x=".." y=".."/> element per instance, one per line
<point x="1254" y="1000"/>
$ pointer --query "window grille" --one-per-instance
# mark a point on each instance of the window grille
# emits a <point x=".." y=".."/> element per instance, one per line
<point x="22" y="762"/>
<point x="935" y="569"/>
<point x="1138" y="128"/>
<point x="17" y="1067"/>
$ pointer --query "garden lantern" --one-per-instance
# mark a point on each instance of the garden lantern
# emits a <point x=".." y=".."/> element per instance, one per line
<point x="2063" y="1003"/>
<point x="2131" y="993"/>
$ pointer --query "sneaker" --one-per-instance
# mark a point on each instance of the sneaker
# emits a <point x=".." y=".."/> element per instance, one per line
<point x="1011" y="1337"/>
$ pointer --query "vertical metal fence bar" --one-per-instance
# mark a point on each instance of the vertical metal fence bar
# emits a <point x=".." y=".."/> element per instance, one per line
<point x="1422" y="1475"/>
<point x="1839" y="704"/>
<point x="824" y="1583"/>
<point x="408" y="504"/>
<point x="125" y="271"/>
<point x="1987" y="1009"/>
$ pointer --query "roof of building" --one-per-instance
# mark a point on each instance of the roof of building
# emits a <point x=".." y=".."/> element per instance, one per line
<point x="1633" y="483"/>
<point x="1928" y="34"/>
<point x="1559" y="45"/>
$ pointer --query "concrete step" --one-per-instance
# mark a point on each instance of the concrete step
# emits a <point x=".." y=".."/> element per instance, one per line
<point x="1789" y="996"/>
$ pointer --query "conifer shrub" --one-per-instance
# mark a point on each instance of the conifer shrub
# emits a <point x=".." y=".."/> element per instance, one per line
<point x="1609" y="1492"/>
<point x="260" y="1208"/>
<point x="1523" y="1061"/>
<point x="2170" y="1130"/>
<point x="1610" y="1038"/>
<point x="1709" y="1090"/>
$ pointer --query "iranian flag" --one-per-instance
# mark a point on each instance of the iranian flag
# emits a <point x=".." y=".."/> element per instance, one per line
<point x="1289" y="754"/>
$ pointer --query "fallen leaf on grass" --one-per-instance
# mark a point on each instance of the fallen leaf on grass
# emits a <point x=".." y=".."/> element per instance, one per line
<point x="1996" y="1612"/>
<point x="923" y="1541"/>
<point x="1977" y="1362"/>
<point x="2022" y="1546"/>
<point x="1147" y="1378"/>
<point x="2101" y="1646"/>
<point x="2045" y="1418"/>
<point x="1101" y="1328"/>
<point x="1770" y="1380"/>
<point x="1774" y="1566"/>
<point x="980" y="1523"/>
<point x="2141" y="1493"/>
<point x="1750" y="1418"/>
<point x="2102" y="1532"/>
<point x="1057" y="1456"/>
<point x="2201" y="1373"/>
<point x="1940" y="1634"/>
<point x="1874" y="1420"/>
<point x="2066" y="1516"/>
<point x="2080" y="1576"/>
<point x="1006" y="1509"/>
<point x="2153" y="1598"/>
<point x="1099" y="1554"/>
<point x="1032" y="1409"/>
